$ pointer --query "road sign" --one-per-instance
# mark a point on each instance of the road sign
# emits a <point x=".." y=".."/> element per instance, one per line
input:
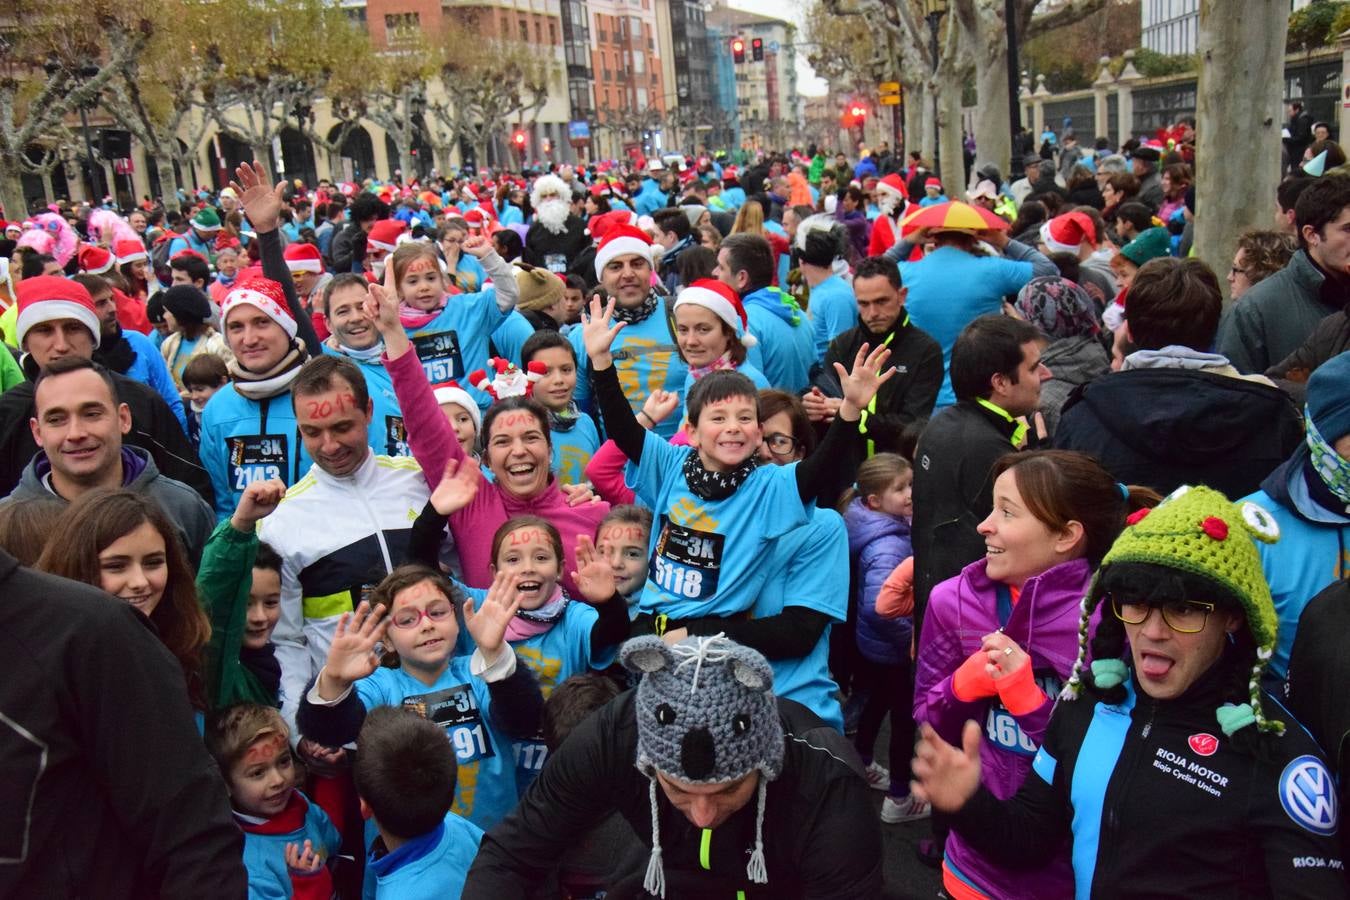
<point x="890" y="100"/>
<point x="889" y="87"/>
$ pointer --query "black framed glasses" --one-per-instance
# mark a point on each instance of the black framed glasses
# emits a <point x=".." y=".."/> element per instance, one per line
<point x="1183" y="616"/>
<point x="782" y="444"/>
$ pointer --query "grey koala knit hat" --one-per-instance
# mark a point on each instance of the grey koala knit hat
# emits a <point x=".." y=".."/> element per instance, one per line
<point x="706" y="714"/>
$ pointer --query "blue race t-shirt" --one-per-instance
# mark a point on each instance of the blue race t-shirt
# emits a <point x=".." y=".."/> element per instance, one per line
<point x="573" y="449"/>
<point x="804" y="570"/>
<point x="455" y="343"/>
<point x="485" y="790"/>
<point x="708" y="556"/>
<point x="833" y="311"/>
<point x="646" y="359"/>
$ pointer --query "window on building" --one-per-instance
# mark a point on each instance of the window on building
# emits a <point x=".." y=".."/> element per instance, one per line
<point x="402" y="28"/>
<point x="639" y="64"/>
<point x="552" y="34"/>
<point x="524" y="31"/>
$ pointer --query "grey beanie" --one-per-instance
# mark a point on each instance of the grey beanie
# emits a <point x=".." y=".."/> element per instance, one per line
<point x="693" y="212"/>
<point x="706" y="714"/>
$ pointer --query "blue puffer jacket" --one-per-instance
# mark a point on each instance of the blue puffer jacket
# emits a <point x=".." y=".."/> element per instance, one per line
<point x="877" y="543"/>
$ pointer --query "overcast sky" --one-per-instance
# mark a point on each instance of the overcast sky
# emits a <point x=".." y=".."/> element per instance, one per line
<point x="793" y="11"/>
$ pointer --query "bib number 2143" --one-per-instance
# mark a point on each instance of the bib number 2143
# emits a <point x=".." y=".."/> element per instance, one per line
<point x="257" y="457"/>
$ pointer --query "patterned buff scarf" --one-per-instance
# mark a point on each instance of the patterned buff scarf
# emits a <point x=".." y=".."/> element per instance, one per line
<point x="1331" y="467"/>
<point x="722" y="362"/>
<point x="640" y="313"/>
<point x="710" y="485"/>
<point x="564" y="420"/>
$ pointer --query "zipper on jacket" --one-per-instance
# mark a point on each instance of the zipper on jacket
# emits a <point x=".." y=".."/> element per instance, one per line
<point x="1125" y="762"/>
<point x="379" y="532"/>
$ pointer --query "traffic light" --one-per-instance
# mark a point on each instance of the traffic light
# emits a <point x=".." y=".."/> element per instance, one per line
<point x="859" y="114"/>
<point x="757" y="50"/>
<point x="518" y="139"/>
<point x="737" y="51"/>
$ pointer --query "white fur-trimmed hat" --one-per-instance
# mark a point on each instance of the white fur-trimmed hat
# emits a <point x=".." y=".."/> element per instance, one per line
<point x="621" y="240"/>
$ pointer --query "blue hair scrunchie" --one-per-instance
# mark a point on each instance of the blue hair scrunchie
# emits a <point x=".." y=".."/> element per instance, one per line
<point x="1108" y="673"/>
<point x="1124" y="492"/>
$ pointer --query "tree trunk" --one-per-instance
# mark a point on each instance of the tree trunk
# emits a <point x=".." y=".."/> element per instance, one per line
<point x="953" y="167"/>
<point x="168" y="181"/>
<point x="11" y="190"/>
<point x="993" y="128"/>
<point x="406" y="161"/>
<point x="262" y="153"/>
<point x="914" y="100"/>
<point x="1241" y="79"/>
<point x="480" y="152"/>
<point x="927" y="124"/>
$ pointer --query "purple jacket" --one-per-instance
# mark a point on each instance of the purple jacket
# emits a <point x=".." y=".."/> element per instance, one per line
<point x="1044" y="622"/>
<point x="877" y="543"/>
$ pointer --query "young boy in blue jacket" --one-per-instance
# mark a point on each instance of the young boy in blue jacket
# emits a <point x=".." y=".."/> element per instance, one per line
<point x="288" y="840"/>
<point x="405" y="774"/>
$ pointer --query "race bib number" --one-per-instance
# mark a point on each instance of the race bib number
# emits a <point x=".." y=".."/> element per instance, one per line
<point x="440" y="356"/>
<point x="555" y="263"/>
<point x="1001" y="728"/>
<point x="395" y="437"/>
<point x="456" y="710"/>
<point x="530" y="757"/>
<point x="687" y="562"/>
<point x="257" y="457"/>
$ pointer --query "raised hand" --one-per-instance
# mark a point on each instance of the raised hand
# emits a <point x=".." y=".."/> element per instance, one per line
<point x="578" y="494"/>
<point x="258" y="501"/>
<point x="476" y="245"/>
<point x="459" y="485"/>
<point x="597" y="334"/>
<point x="593" y="576"/>
<point x="947" y="776"/>
<point x="659" y="405"/>
<point x="381" y="305"/>
<point x="487" y="624"/>
<point x="261" y="204"/>
<point x="861" y="384"/>
<point x="352" y="655"/>
<point x="304" y="860"/>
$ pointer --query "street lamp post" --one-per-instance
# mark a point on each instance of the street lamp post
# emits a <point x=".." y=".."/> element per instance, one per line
<point x="933" y="12"/>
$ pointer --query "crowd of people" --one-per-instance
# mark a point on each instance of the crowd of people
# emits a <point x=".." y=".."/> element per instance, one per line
<point x="575" y="532"/>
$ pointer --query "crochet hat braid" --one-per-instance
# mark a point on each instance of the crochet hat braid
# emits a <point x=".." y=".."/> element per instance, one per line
<point x="705" y="715"/>
<point x="1197" y="530"/>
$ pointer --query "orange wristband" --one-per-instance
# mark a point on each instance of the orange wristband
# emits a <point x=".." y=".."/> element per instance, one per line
<point x="1019" y="692"/>
<point x="971" y="682"/>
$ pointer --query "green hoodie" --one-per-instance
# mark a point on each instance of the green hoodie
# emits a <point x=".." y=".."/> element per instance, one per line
<point x="223" y="582"/>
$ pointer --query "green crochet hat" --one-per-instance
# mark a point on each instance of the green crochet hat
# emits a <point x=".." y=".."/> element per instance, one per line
<point x="1151" y="243"/>
<point x="1199" y="531"/>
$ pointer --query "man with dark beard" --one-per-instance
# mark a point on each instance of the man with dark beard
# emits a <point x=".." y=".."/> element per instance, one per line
<point x="129" y="353"/>
<point x="557" y="236"/>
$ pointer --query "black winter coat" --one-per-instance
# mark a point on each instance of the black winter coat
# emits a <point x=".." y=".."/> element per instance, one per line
<point x="821" y="837"/>
<point x="107" y="789"/>
<point x="909" y="396"/>
<point x="953" y="492"/>
<point x="1167" y="427"/>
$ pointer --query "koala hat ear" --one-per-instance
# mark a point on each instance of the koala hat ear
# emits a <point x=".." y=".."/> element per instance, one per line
<point x="751" y="670"/>
<point x="645" y="654"/>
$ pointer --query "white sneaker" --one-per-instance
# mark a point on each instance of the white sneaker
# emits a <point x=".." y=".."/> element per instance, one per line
<point x="878" y="777"/>
<point x="907" y="809"/>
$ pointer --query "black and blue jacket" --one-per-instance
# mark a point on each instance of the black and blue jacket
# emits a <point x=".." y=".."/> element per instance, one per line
<point x="1156" y="801"/>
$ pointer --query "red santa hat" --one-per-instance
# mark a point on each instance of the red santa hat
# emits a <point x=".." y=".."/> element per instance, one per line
<point x="263" y="294"/>
<point x="384" y="236"/>
<point x="622" y="240"/>
<point x="893" y="184"/>
<point x="49" y="298"/>
<point x="129" y="251"/>
<point x="303" y="258"/>
<point x="1064" y="233"/>
<point x="94" y="260"/>
<point x="603" y="224"/>
<point x="713" y="295"/>
<point x="933" y="183"/>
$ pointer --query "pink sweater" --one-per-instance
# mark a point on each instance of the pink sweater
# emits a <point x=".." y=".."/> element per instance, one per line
<point x="433" y="443"/>
<point x="606" y="468"/>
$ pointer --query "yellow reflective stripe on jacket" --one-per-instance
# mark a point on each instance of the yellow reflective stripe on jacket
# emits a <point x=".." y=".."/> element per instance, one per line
<point x="327" y="606"/>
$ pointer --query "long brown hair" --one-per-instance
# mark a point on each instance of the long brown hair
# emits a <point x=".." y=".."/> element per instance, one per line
<point x="1062" y="486"/>
<point x="98" y="519"/>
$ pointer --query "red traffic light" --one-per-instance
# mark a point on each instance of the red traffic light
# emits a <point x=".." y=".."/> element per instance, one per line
<point x="737" y="50"/>
<point x="859" y="112"/>
<point x="757" y="50"/>
<point x="519" y="140"/>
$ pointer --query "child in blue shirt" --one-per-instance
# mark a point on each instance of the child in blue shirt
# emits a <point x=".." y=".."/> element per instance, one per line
<point x="575" y="438"/>
<point x="482" y="701"/>
<point x="405" y="776"/>
<point x="718" y="508"/>
<point x="288" y="840"/>
<point x="622" y="540"/>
